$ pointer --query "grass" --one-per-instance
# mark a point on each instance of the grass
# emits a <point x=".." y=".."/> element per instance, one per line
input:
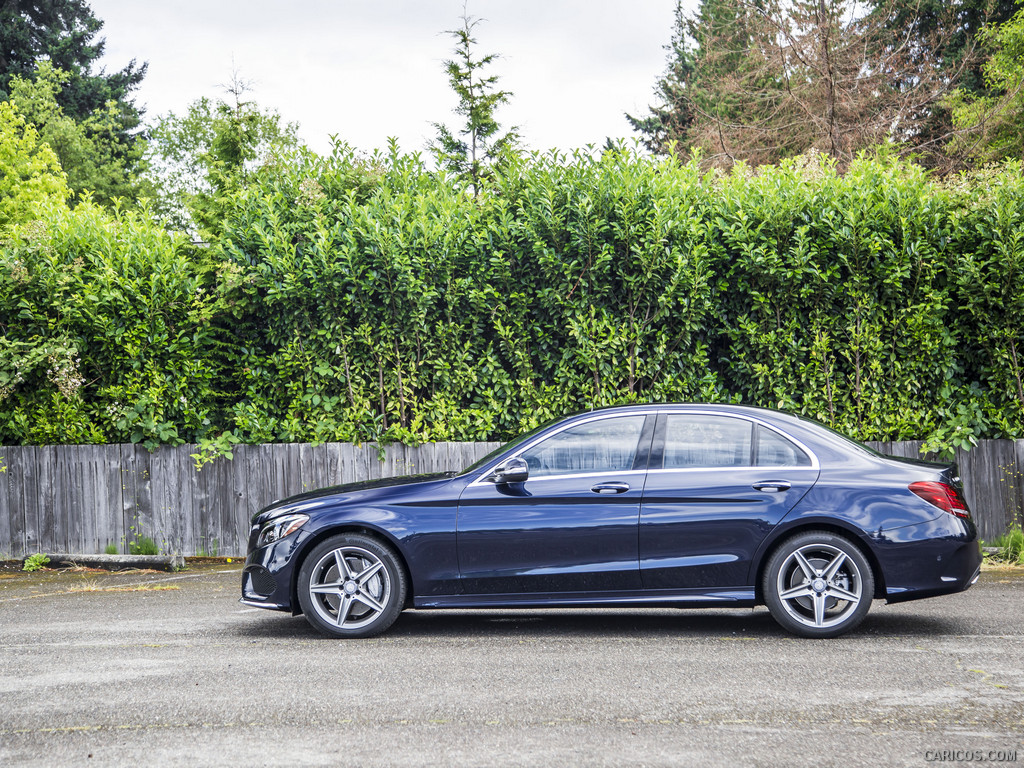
<point x="1011" y="547"/>
<point x="143" y="546"/>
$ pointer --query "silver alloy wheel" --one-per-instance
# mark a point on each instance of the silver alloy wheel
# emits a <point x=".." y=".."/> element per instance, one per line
<point x="820" y="586"/>
<point x="349" y="587"/>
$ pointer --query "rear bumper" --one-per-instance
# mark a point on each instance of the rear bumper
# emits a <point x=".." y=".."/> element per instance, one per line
<point x="940" y="557"/>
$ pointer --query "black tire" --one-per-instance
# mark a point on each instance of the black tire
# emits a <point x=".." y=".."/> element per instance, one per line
<point x="818" y="584"/>
<point x="352" y="585"/>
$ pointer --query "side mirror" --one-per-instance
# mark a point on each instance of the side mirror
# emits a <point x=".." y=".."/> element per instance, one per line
<point x="512" y="471"/>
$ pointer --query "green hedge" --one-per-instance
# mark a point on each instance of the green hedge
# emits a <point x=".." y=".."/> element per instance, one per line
<point x="361" y="299"/>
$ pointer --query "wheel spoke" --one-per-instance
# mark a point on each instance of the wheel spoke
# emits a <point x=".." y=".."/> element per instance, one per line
<point x="805" y="566"/>
<point x="369" y="601"/>
<point x="365" y="574"/>
<point x="343" y="608"/>
<point x="344" y="572"/>
<point x="326" y="589"/>
<point x="842" y="594"/>
<point x="802" y="590"/>
<point x="834" y="566"/>
<point x="819" y="609"/>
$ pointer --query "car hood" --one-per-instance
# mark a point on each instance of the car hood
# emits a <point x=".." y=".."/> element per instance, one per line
<point x="309" y="500"/>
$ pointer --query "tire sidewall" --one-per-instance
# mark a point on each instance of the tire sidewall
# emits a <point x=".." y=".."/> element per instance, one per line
<point x="771" y="575"/>
<point x="391" y="563"/>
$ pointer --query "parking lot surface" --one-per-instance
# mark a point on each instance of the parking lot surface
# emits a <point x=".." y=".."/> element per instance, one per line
<point x="164" y="669"/>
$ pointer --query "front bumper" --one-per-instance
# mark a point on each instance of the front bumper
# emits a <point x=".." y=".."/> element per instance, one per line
<point x="267" y="578"/>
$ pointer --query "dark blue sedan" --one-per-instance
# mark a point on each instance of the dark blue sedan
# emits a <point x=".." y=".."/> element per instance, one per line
<point x="649" y="505"/>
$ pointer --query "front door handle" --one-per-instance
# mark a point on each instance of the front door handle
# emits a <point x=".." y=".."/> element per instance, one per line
<point x="772" y="486"/>
<point x="610" y="488"/>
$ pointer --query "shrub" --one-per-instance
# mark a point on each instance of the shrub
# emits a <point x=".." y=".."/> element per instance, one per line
<point x="354" y="299"/>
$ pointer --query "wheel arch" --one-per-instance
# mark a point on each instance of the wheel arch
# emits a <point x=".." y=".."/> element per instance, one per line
<point x="333" y="530"/>
<point x="829" y="525"/>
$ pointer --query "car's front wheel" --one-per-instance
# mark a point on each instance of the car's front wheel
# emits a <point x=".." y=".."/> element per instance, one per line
<point x="818" y="584"/>
<point x="351" y="585"/>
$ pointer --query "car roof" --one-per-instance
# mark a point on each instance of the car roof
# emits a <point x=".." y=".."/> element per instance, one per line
<point x="745" y="410"/>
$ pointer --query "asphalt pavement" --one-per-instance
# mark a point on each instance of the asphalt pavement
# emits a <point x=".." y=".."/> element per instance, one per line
<point x="169" y="669"/>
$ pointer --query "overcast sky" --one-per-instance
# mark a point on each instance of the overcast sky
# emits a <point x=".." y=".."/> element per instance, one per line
<point x="366" y="70"/>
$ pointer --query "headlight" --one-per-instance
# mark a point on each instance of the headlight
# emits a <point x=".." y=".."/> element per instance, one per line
<point x="280" y="527"/>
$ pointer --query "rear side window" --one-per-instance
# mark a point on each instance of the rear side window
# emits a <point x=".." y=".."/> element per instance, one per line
<point x="773" y="450"/>
<point x="700" y="441"/>
<point x="703" y="441"/>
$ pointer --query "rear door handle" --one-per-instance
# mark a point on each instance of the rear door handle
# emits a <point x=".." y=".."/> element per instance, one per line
<point x="610" y="488"/>
<point x="772" y="486"/>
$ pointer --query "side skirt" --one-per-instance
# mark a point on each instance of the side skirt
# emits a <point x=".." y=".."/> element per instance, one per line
<point x="739" y="597"/>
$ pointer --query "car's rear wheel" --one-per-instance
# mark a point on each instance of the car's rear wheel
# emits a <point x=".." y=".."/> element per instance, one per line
<point x="818" y="584"/>
<point x="351" y="585"/>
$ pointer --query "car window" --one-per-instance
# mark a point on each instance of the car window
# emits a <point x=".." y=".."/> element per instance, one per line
<point x="697" y="440"/>
<point x="526" y="437"/>
<point x="605" y="445"/>
<point x="773" y="450"/>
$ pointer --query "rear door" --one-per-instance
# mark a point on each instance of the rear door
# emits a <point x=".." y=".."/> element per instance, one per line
<point x="716" y="486"/>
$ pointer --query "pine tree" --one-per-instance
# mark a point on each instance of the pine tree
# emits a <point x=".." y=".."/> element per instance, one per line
<point x="669" y="120"/>
<point x="958" y="27"/>
<point x="478" y="146"/>
<point x="990" y="126"/>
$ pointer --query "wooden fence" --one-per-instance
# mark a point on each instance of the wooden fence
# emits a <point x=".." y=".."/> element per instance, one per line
<point x="82" y="498"/>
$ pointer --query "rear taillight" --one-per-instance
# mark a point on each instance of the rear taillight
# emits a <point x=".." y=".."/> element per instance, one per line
<point x="942" y="495"/>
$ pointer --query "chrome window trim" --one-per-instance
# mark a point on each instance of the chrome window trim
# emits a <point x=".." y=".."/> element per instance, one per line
<point x="623" y="473"/>
<point x="743" y="468"/>
<point x="815" y="464"/>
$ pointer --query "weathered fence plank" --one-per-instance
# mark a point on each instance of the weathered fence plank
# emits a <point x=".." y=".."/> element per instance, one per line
<point x="48" y="490"/>
<point x="6" y="550"/>
<point x="104" y="509"/>
<point x="86" y="497"/>
<point x="23" y="495"/>
<point x="136" y="494"/>
<point x="236" y="513"/>
<point x="986" y="470"/>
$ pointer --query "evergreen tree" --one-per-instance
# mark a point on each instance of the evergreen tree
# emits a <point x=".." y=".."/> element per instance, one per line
<point x="767" y="79"/>
<point x="947" y="35"/>
<point x="957" y="23"/>
<point x="669" y="119"/>
<point x="478" y="145"/>
<point x="64" y="32"/>
<point x="713" y="45"/>
<point x="990" y="126"/>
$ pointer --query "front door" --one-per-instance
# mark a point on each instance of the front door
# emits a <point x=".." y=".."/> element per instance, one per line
<point x="572" y="526"/>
